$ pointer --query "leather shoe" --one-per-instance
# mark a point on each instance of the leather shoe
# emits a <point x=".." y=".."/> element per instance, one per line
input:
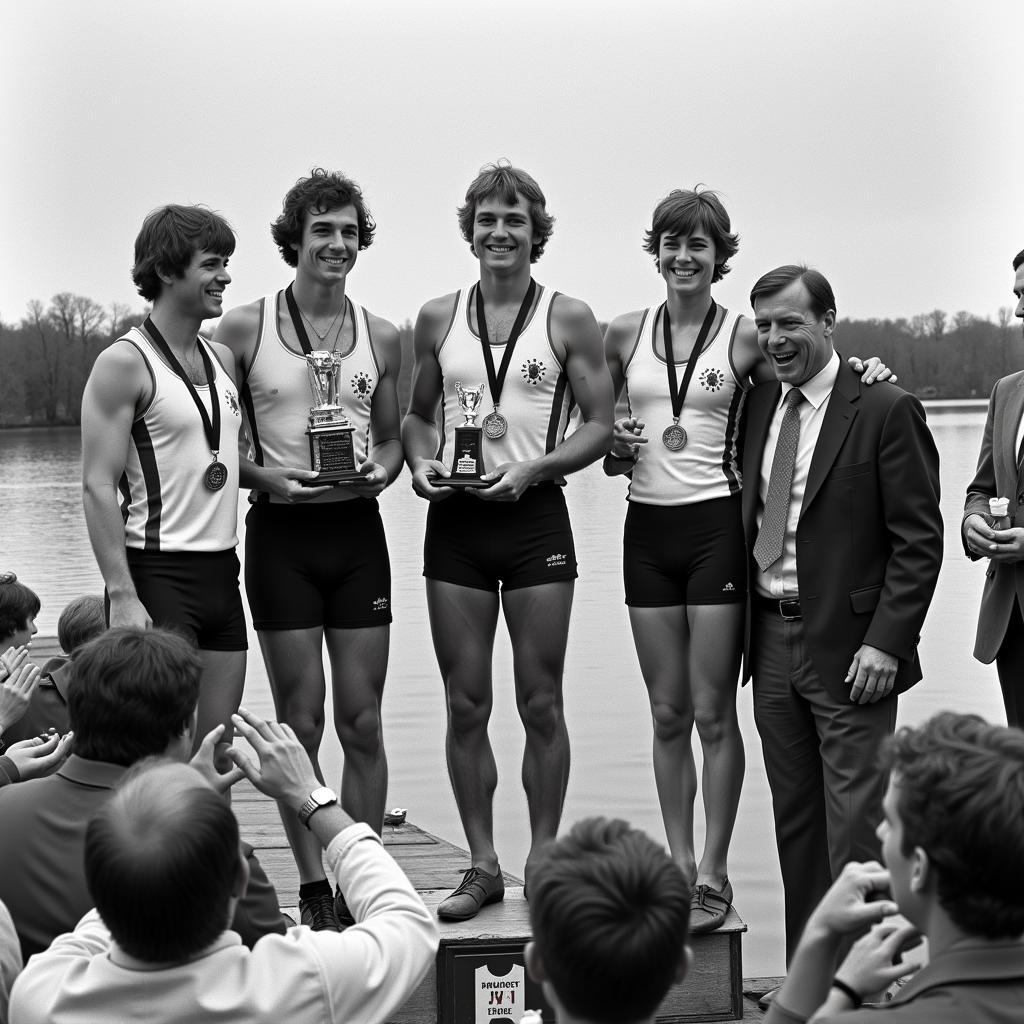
<point x="476" y="890"/>
<point x="708" y="907"/>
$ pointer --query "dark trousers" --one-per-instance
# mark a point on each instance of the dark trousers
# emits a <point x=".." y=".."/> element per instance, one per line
<point x="1010" y="666"/>
<point x="821" y="757"/>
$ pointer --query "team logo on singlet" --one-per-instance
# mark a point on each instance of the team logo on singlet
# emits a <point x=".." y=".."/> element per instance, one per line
<point x="534" y="371"/>
<point x="362" y="385"/>
<point x="712" y="379"/>
<point x="232" y="400"/>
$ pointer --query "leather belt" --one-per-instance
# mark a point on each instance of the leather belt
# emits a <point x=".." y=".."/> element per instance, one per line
<point x="788" y="608"/>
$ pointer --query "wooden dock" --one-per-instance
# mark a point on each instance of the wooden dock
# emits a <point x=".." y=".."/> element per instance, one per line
<point x="491" y="945"/>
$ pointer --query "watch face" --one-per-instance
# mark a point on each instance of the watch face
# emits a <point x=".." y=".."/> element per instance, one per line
<point x="323" y="795"/>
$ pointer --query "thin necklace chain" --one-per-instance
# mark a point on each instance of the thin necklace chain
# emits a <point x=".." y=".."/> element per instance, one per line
<point x="323" y="337"/>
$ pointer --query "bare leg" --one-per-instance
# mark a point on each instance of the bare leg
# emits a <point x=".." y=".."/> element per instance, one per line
<point x="715" y="649"/>
<point x="359" y="664"/>
<point x="538" y="625"/>
<point x="220" y="693"/>
<point x="462" y="623"/>
<point x="294" y="660"/>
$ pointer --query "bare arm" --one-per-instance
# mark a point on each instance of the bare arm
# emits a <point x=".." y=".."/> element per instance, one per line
<point x="117" y="389"/>
<point x="384" y="461"/>
<point x="627" y="432"/>
<point x="577" y="340"/>
<point x="419" y="428"/>
<point x="238" y="333"/>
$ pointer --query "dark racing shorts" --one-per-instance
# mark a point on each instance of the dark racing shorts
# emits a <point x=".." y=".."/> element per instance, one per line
<point x="320" y="564"/>
<point x="475" y="543"/>
<point x="195" y="592"/>
<point x="684" y="554"/>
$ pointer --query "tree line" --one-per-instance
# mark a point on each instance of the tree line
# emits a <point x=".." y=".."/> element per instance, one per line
<point x="46" y="358"/>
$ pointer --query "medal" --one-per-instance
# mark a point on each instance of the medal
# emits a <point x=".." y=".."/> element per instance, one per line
<point x="495" y="425"/>
<point x="674" y="437"/>
<point x="216" y="476"/>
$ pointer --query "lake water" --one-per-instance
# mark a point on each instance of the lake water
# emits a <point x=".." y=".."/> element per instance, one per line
<point x="43" y="538"/>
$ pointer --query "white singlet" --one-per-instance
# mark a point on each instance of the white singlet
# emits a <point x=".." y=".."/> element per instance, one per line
<point x="707" y="466"/>
<point x="536" y="399"/>
<point x="165" y="504"/>
<point x="277" y="398"/>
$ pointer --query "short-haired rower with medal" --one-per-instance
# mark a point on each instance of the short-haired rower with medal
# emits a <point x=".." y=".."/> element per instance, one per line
<point x="160" y="422"/>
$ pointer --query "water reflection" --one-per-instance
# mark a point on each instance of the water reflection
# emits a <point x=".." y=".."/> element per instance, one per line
<point x="43" y="537"/>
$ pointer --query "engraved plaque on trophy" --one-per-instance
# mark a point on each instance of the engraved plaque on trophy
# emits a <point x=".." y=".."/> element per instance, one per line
<point x="331" y="449"/>
<point x="467" y="450"/>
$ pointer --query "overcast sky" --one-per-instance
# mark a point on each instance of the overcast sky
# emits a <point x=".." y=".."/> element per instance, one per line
<point x="879" y="140"/>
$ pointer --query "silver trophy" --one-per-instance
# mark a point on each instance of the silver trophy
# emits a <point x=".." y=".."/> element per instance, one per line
<point x="468" y="455"/>
<point x="331" y="449"/>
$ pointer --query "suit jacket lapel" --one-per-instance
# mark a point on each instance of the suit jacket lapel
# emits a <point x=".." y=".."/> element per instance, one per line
<point x="1010" y="424"/>
<point x="839" y="416"/>
<point x="758" y="410"/>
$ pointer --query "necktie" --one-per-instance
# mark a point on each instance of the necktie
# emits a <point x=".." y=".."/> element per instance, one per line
<point x="768" y="546"/>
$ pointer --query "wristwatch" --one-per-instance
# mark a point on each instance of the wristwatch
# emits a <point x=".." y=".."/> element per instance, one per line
<point x="322" y="796"/>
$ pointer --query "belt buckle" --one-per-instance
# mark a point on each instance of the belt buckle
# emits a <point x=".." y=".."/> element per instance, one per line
<point x="789" y="609"/>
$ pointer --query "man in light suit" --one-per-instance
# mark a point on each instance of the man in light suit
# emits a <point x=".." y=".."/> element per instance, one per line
<point x="1000" y="626"/>
<point x="841" y="513"/>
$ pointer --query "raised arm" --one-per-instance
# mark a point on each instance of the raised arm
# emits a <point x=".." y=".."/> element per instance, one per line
<point x="577" y="341"/>
<point x="419" y="428"/>
<point x="117" y="390"/>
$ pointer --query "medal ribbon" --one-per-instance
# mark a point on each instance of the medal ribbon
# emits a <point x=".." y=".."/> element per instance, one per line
<point x="496" y="381"/>
<point x="296" y="318"/>
<point x="676" y="393"/>
<point x="211" y="429"/>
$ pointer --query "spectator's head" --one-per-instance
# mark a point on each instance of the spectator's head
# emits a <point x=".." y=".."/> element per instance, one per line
<point x="82" y="619"/>
<point x="953" y="828"/>
<point x="795" y="315"/>
<point x="134" y="696"/>
<point x="685" y="212"/>
<point x="163" y="863"/>
<point x="610" y="912"/>
<point x="170" y="238"/>
<point x="322" y="192"/>
<point x="19" y="607"/>
<point x="510" y="186"/>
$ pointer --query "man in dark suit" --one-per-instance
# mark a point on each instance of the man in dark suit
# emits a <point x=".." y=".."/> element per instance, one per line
<point x="841" y="513"/>
<point x="1000" y="626"/>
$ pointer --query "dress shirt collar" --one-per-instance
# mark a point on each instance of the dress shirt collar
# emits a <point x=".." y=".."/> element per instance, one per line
<point x="819" y="387"/>
<point x="967" y="961"/>
<point x="85" y="772"/>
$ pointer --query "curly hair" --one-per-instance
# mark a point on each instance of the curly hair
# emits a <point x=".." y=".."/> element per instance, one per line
<point x="610" y="912"/>
<point x="322" y="191"/>
<point x="507" y="183"/>
<point x="684" y="211"/>
<point x="170" y="237"/>
<point x="18" y="604"/>
<point x="959" y="785"/>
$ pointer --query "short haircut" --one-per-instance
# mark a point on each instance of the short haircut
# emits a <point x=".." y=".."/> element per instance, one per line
<point x="170" y="237"/>
<point x="684" y="211"/>
<point x="82" y="619"/>
<point x="18" y="604"/>
<point x="610" y="912"/>
<point x="161" y="861"/>
<point x="1018" y="260"/>
<point x="321" y="192"/>
<point x="507" y="183"/>
<point x="135" y="691"/>
<point x="818" y="288"/>
<point x="959" y="785"/>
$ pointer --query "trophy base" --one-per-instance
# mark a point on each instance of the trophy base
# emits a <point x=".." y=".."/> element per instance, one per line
<point x="464" y="481"/>
<point x="468" y="464"/>
<point x="332" y="455"/>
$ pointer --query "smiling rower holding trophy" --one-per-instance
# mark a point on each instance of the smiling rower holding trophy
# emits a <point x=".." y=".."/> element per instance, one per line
<point x="318" y="373"/>
<point x="538" y="353"/>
